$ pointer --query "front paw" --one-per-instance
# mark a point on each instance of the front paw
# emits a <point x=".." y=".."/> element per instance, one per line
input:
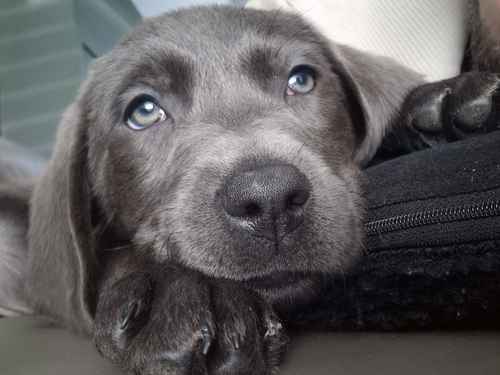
<point x="179" y="322"/>
<point x="250" y="338"/>
<point x="446" y="111"/>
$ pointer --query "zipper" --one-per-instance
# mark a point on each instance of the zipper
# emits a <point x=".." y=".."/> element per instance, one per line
<point x="478" y="210"/>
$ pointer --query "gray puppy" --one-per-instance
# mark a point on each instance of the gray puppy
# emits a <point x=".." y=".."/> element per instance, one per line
<point x="203" y="182"/>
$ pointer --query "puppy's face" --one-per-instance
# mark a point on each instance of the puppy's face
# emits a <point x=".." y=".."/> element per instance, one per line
<point x="222" y="139"/>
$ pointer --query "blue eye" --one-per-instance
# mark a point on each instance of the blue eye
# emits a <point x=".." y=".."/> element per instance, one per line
<point x="301" y="80"/>
<point x="144" y="112"/>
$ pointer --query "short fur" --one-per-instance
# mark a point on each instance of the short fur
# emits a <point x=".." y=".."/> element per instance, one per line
<point x="128" y="240"/>
<point x="220" y="72"/>
<point x="114" y="204"/>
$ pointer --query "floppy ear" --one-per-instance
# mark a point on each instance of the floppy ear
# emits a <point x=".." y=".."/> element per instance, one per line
<point x="14" y="198"/>
<point x="62" y="264"/>
<point x="376" y="87"/>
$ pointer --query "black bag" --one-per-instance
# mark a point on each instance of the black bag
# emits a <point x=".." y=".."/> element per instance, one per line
<point x="433" y="245"/>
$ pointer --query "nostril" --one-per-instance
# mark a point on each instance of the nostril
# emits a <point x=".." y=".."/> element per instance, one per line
<point x="297" y="199"/>
<point x="243" y="209"/>
<point x="252" y="209"/>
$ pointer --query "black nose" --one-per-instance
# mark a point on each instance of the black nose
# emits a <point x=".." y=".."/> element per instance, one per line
<point x="268" y="201"/>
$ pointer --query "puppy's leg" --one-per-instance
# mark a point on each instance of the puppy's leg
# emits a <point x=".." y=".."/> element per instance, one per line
<point x="170" y="320"/>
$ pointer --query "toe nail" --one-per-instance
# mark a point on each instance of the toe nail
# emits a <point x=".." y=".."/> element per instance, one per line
<point x="273" y="329"/>
<point x="206" y="340"/>
<point x="130" y="312"/>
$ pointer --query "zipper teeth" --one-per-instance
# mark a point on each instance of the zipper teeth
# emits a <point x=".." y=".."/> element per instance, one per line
<point x="434" y="216"/>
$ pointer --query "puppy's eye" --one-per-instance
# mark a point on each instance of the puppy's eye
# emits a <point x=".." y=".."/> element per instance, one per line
<point x="144" y="112"/>
<point x="301" y="80"/>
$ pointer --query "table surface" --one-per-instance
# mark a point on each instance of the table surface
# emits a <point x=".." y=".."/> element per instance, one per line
<point x="30" y="346"/>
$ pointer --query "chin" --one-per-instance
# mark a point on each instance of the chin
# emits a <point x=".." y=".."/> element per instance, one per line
<point x="287" y="290"/>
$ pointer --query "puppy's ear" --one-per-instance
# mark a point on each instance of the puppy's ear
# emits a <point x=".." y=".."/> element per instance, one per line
<point x="62" y="264"/>
<point x="376" y="88"/>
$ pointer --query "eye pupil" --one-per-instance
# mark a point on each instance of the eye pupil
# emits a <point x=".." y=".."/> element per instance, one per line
<point x="301" y="80"/>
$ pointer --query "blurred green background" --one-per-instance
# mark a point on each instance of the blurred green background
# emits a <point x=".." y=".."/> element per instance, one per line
<point x="45" y="49"/>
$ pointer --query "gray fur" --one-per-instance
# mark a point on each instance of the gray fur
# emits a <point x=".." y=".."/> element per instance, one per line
<point x="17" y="171"/>
<point x="213" y="69"/>
<point x="221" y="74"/>
<point x="14" y="197"/>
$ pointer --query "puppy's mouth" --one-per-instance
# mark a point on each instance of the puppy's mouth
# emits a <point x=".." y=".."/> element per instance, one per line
<point x="283" y="288"/>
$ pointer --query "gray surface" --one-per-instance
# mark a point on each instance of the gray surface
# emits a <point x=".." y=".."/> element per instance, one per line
<point x="29" y="346"/>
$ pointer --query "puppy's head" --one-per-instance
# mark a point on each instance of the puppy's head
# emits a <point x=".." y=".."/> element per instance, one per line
<point x="229" y="141"/>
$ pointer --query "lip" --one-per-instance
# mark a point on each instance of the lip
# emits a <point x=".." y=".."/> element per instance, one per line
<point x="286" y="289"/>
<point x="279" y="280"/>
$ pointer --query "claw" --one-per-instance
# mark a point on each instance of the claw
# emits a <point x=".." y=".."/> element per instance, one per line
<point x="206" y="340"/>
<point x="129" y="313"/>
<point x="274" y="328"/>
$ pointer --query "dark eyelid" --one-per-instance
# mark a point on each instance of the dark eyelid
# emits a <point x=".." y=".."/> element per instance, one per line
<point x="130" y="94"/>
<point x="303" y="68"/>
